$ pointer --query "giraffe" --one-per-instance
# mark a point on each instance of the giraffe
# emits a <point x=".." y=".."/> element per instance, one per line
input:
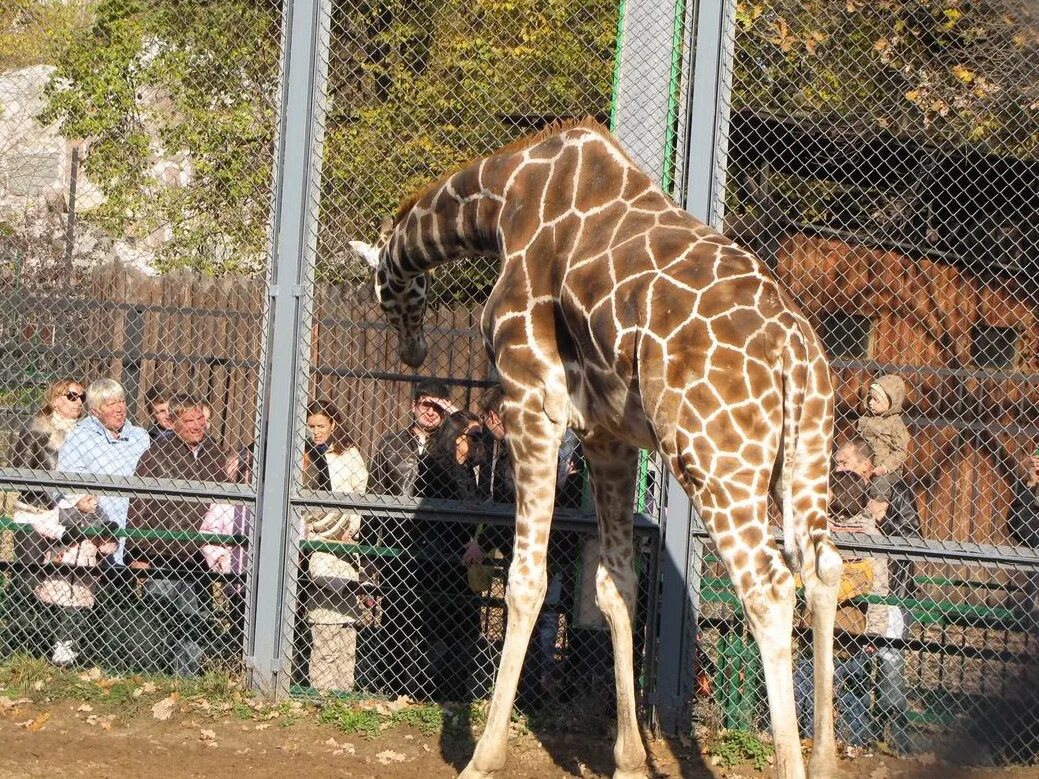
<point x="620" y="315"/>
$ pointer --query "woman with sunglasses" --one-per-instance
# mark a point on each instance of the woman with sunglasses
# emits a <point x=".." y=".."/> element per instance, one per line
<point x="37" y="448"/>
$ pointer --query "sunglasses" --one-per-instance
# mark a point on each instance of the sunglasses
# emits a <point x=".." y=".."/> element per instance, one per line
<point x="74" y="396"/>
<point x="428" y="405"/>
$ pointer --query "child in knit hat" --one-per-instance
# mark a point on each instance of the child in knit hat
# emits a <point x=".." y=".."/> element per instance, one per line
<point x="882" y="427"/>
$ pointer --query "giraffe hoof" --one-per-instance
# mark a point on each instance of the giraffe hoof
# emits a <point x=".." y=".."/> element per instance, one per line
<point x="822" y="766"/>
<point x="472" y="772"/>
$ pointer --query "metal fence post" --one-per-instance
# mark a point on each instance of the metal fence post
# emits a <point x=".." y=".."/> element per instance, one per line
<point x="706" y="130"/>
<point x="294" y="231"/>
<point x="644" y="88"/>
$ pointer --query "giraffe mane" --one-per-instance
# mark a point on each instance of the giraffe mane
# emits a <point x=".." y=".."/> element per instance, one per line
<point x="554" y="127"/>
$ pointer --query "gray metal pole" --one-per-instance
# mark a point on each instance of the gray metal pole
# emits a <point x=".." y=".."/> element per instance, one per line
<point x="643" y="88"/>
<point x="297" y="182"/>
<point x="707" y="127"/>
<point x="709" y="104"/>
<point x="645" y="98"/>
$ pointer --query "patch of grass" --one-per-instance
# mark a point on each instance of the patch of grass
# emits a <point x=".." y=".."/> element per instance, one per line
<point x="428" y="719"/>
<point x="350" y="719"/>
<point x="216" y="684"/>
<point x="27" y="675"/>
<point x="733" y="747"/>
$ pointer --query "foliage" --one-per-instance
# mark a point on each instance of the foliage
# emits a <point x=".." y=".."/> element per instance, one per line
<point x="416" y="88"/>
<point x="184" y="81"/>
<point x="942" y="70"/>
<point x="31" y="31"/>
<point x="733" y="747"/>
<point x="369" y="718"/>
<point x="422" y="88"/>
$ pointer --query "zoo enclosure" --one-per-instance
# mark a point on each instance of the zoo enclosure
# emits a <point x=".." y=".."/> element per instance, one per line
<point x="880" y="157"/>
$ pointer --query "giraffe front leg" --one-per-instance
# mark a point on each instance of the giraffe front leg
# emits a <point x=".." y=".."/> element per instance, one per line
<point x="534" y="451"/>
<point x="613" y="472"/>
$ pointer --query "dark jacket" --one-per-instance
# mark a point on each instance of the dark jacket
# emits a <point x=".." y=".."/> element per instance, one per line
<point x="901" y="520"/>
<point x="171" y="458"/>
<point x="395" y="464"/>
<point x="1023" y="520"/>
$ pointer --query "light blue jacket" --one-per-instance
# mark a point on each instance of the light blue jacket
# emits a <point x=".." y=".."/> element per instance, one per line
<point x="90" y="449"/>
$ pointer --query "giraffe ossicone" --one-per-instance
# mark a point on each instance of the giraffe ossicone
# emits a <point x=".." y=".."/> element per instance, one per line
<point x="618" y="314"/>
<point x="367" y="252"/>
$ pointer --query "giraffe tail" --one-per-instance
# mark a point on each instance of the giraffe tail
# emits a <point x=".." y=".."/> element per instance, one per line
<point x="805" y="471"/>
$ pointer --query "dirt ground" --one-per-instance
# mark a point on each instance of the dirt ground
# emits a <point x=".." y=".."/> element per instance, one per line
<point x="69" y="738"/>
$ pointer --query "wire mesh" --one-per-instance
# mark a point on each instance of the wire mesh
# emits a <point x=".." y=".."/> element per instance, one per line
<point x="882" y="161"/>
<point x="879" y="156"/>
<point x="136" y="148"/>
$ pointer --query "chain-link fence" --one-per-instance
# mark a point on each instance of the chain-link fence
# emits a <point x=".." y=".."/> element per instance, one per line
<point x="882" y="160"/>
<point x="178" y="186"/>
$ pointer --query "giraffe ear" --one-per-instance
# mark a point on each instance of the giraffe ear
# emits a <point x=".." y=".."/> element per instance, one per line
<point x="369" y="252"/>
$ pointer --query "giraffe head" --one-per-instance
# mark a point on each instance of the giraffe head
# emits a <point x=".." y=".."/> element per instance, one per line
<point x="403" y="300"/>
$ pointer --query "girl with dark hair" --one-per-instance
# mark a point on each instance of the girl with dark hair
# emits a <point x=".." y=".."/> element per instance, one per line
<point x="449" y="609"/>
<point x="332" y="600"/>
<point x="450" y="469"/>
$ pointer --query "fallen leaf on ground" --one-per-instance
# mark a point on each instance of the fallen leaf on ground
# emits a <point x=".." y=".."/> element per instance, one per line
<point x="85" y="707"/>
<point x="34" y="725"/>
<point x="163" y="710"/>
<point x="207" y="735"/>
<point x="388" y="756"/>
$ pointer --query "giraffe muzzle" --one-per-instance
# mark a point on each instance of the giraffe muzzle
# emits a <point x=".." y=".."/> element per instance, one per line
<point x="413" y="353"/>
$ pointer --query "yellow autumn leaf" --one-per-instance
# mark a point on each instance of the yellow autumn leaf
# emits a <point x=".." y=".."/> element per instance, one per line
<point x="881" y="44"/>
<point x="962" y="74"/>
<point x="913" y="95"/>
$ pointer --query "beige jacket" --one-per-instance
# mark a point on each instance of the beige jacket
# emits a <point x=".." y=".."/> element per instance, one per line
<point x="887" y="434"/>
<point x="333" y="599"/>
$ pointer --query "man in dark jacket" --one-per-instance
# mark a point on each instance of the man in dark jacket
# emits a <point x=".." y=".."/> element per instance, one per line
<point x="395" y="464"/>
<point x="894" y="516"/>
<point x="177" y="581"/>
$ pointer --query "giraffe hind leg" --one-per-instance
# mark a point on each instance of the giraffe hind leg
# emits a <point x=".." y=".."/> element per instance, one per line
<point x="765" y="587"/>
<point x="613" y="471"/>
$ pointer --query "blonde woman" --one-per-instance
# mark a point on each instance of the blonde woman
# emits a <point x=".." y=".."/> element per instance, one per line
<point x="37" y="447"/>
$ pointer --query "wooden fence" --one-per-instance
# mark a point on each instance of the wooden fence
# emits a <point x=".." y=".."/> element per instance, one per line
<point x="197" y="334"/>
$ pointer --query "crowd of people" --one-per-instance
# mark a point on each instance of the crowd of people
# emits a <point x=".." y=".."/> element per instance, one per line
<point x="426" y="601"/>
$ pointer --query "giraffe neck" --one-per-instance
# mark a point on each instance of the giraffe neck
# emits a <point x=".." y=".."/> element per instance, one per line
<point x="454" y="218"/>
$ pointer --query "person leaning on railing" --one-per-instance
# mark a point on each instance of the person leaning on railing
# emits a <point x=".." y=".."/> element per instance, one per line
<point x="869" y="677"/>
<point x="176" y="587"/>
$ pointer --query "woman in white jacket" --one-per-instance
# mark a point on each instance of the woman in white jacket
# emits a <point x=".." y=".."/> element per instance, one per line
<point x="333" y="463"/>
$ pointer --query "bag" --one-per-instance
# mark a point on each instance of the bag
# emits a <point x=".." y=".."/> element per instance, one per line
<point x="856" y="579"/>
<point x="480" y="577"/>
